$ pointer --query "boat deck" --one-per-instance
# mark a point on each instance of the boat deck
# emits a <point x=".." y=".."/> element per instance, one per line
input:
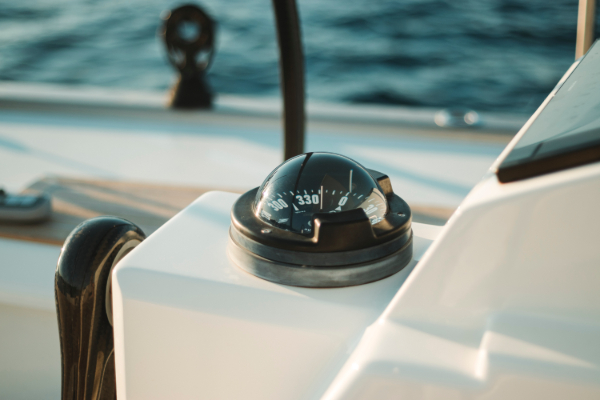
<point x="102" y="151"/>
<point x="127" y="139"/>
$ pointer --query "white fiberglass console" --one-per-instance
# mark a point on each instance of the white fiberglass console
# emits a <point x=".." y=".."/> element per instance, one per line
<point x="502" y="302"/>
<point x="189" y="323"/>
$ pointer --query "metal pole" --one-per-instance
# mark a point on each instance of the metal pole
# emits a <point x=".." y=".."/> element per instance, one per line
<point x="586" y="26"/>
<point x="291" y="65"/>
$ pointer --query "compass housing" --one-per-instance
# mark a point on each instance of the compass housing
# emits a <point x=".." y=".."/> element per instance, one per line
<point x="321" y="220"/>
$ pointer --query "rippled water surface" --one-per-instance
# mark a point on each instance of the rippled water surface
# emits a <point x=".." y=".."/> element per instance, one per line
<point x="503" y="55"/>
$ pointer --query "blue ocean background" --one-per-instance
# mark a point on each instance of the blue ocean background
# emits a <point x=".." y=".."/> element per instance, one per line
<point x="492" y="55"/>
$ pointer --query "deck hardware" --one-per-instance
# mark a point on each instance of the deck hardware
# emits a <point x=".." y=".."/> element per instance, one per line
<point x="83" y="298"/>
<point x="332" y="223"/>
<point x="189" y="36"/>
<point x="25" y="208"/>
<point x="457" y="117"/>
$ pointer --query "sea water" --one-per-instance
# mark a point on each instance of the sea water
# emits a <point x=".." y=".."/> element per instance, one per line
<point x="503" y="55"/>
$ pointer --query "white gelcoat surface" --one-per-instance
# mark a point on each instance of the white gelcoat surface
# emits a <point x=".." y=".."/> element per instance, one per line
<point x="426" y="171"/>
<point x="29" y="354"/>
<point x="191" y="324"/>
<point x="504" y="304"/>
<point x="27" y="274"/>
<point x="29" y="345"/>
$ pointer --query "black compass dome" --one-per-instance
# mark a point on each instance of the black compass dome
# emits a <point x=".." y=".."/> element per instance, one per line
<point x="314" y="183"/>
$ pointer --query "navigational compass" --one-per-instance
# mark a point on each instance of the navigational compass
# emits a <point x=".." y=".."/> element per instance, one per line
<point x="321" y="220"/>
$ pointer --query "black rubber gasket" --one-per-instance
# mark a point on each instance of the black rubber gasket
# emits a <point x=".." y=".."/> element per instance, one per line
<point x="319" y="276"/>
<point x="331" y="259"/>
